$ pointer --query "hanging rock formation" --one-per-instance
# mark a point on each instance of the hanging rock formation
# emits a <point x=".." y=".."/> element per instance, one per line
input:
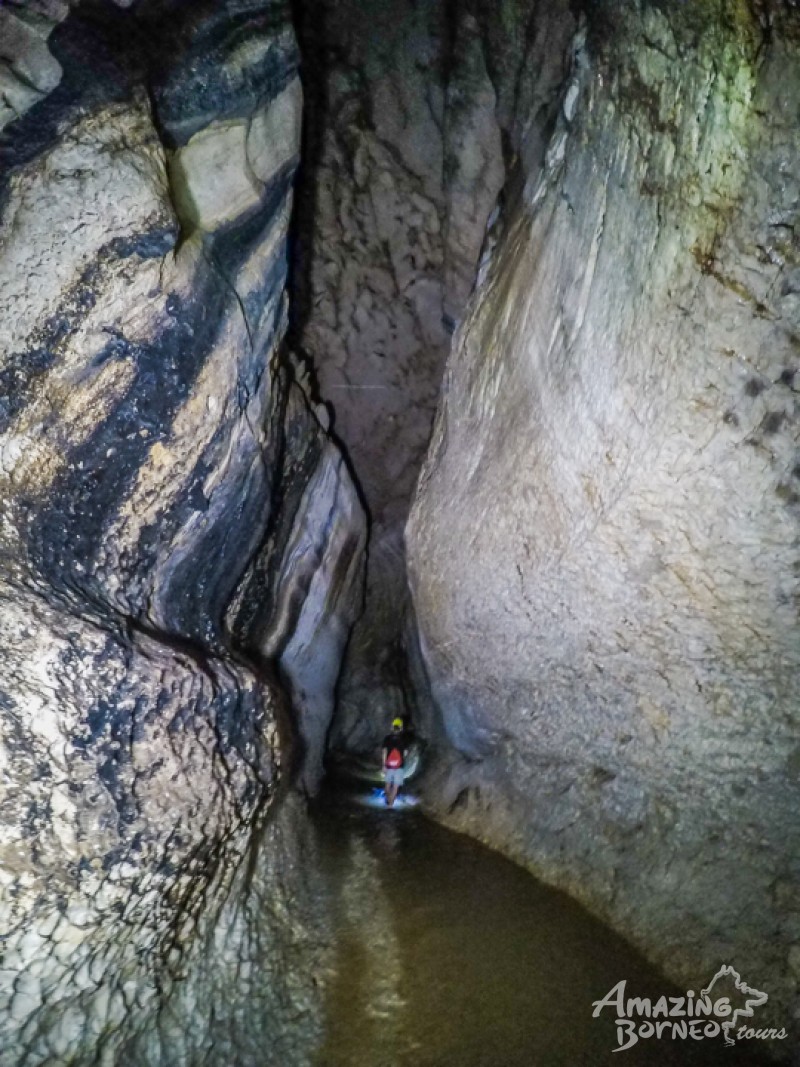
<point x="175" y="520"/>
<point x="603" y="547"/>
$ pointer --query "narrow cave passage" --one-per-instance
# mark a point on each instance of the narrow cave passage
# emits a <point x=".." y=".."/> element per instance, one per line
<point x="401" y="169"/>
<point x="435" y="133"/>
<point x="364" y="359"/>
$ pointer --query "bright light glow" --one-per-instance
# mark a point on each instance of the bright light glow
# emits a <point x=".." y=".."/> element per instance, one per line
<point x="376" y="799"/>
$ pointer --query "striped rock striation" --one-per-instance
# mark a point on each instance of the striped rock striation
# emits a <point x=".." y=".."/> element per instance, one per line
<point x="176" y="528"/>
<point x="603" y="547"/>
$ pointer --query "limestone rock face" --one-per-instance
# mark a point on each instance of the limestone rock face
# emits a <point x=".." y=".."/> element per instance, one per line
<point x="148" y="443"/>
<point x="402" y="166"/>
<point x="297" y="604"/>
<point x="604" y="543"/>
<point x="28" y="69"/>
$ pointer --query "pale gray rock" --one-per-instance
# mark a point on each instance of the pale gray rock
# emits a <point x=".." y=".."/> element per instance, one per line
<point x="225" y="169"/>
<point x="28" y="69"/>
<point x="603" y="545"/>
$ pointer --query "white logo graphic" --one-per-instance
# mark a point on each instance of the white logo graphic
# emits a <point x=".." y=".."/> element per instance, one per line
<point x="719" y="1010"/>
<point x="753" y="998"/>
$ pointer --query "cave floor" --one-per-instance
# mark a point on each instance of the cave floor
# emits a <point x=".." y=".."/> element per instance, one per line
<point x="445" y="953"/>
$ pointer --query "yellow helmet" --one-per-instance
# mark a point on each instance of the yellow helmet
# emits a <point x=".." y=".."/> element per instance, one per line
<point x="397" y="724"/>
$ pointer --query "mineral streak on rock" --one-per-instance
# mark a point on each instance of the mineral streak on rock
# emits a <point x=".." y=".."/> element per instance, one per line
<point x="148" y="443"/>
<point x="604" y="543"/>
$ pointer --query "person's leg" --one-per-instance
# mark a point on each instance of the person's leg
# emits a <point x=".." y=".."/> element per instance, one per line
<point x="392" y="785"/>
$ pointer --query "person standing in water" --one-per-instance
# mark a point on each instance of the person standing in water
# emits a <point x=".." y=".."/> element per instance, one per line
<point x="394" y="761"/>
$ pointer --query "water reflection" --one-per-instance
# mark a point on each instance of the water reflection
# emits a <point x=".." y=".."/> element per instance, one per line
<point x="447" y="955"/>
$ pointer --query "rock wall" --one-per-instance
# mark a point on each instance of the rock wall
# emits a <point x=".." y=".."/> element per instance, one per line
<point x="603" y="544"/>
<point x="402" y="166"/>
<point x="158" y="470"/>
<point x="297" y="604"/>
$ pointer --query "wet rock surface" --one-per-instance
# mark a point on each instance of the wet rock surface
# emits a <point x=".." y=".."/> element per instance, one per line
<point x="603" y="545"/>
<point x="150" y="439"/>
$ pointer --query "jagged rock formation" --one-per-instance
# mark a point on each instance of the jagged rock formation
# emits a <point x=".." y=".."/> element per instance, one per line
<point x="175" y="521"/>
<point x="296" y="605"/>
<point x="603" y="545"/>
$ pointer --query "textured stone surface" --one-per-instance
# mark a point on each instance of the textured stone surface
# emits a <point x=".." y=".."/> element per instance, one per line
<point x="28" y="69"/>
<point x="297" y="606"/>
<point x="603" y="547"/>
<point x="402" y="168"/>
<point x="224" y="170"/>
<point x="148" y="437"/>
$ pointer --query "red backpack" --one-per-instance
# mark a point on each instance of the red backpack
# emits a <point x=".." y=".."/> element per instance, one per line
<point x="394" y="759"/>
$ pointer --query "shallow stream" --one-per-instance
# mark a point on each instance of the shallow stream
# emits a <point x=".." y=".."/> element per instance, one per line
<point x="448" y="955"/>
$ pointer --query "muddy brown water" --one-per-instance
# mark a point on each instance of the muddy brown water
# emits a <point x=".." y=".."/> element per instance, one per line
<point x="448" y="955"/>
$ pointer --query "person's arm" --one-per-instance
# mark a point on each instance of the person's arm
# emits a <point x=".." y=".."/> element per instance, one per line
<point x="384" y="754"/>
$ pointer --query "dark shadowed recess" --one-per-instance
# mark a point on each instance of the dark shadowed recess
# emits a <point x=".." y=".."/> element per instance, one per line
<point x="309" y="23"/>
